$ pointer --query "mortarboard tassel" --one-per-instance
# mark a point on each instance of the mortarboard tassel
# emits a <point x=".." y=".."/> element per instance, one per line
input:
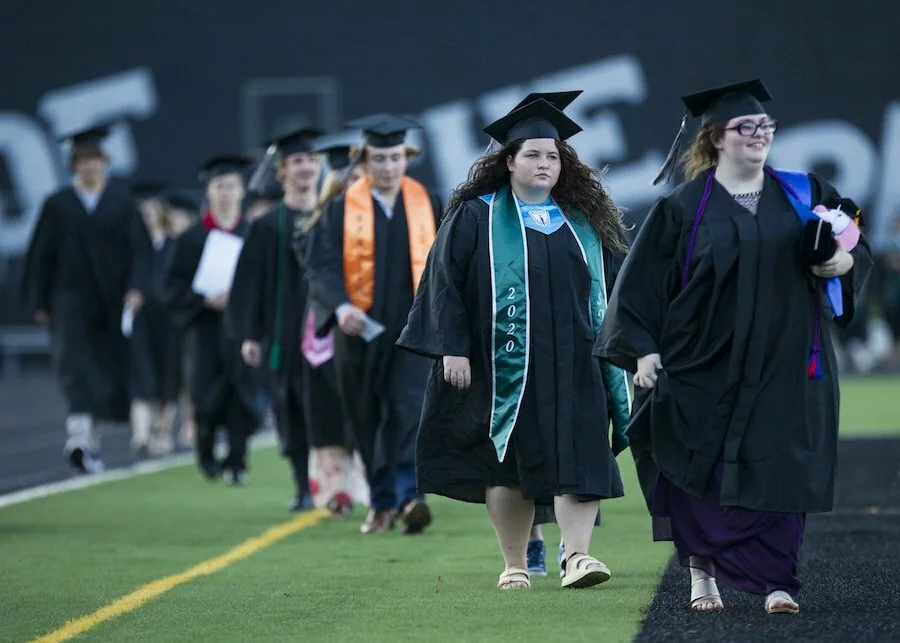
<point x="361" y="149"/>
<point x="668" y="169"/>
<point x="258" y="180"/>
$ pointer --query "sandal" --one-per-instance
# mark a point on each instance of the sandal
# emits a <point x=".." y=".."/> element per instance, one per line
<point x="704" y="591"/>
<point x="512" y="577"/>
<point x="582" y="570"/>
<point x="780" y="602"/>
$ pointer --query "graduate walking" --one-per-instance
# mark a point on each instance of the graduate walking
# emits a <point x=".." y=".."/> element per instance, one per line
<point x="366" y="256"/>
<point x="721" y="310"/>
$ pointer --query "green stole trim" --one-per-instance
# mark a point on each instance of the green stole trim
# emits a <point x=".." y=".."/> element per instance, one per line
<point x="511" y="344"/>
<point x="275" y="352"/>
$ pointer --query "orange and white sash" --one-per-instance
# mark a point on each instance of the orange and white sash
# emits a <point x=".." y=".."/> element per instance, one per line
<point x="359" y="237"/>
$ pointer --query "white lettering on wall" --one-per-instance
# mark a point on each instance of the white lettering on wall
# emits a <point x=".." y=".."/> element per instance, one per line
<point x="35" y="160"/>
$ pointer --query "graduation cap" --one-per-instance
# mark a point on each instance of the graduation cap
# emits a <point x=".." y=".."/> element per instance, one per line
<point x="560" y="100"/>
<point x="537" y="119"/>
<point x="91" y="137"/>
<point x="270" y="191"/>
<point x="299" y="141"/>
<point x="181" y="201"/>
<point x="384" y="130"/>
<point x="223" y="164"/>
<point x="716" y="105"/>
<point x="148" y="189"/>
<point x="338" y="147"/>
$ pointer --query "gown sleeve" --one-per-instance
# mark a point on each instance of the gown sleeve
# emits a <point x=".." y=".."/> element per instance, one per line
<point x="141" y="256"/>
<point x="248" y="289"/>
<point x="178" y="275"/>
<point x="325" y="265"/>
<point x="643" y="289"/>
<point x="41" y="260"/>
<point x="853" y="282"/>
<point x="438" y="322"/>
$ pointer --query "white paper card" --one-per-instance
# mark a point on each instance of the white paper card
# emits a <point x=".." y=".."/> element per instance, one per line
<point x="372" y="329"/>
<point x="127" y="321"/>
<point x="217" y="264"/>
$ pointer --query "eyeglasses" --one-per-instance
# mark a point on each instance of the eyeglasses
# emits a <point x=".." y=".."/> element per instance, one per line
<point x="749" y="129"/>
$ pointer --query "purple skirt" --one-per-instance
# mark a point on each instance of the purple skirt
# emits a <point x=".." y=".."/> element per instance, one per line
<point x="752" y="551"/>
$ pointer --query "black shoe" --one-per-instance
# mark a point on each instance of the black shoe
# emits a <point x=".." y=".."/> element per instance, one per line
<point x="210" y="468"/>
<point x="301" y="503"/>
<point x="85" y="462"/>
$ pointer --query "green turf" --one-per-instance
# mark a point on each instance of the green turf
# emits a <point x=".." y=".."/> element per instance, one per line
<point x="869" y="406"/>
<point x="65" y="556"/>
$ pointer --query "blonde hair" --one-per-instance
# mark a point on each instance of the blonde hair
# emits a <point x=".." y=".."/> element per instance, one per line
<point x="332" y="187"/>
<point x="702" y="154"/>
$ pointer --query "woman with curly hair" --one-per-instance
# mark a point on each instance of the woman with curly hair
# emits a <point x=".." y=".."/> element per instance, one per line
<point x="517" y="412"/>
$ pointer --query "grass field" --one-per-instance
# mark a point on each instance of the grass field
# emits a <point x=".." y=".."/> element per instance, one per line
<point x="68" y="555"/>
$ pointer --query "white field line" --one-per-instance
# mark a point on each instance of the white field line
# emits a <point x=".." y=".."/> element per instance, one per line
<point x="156" y="465"/>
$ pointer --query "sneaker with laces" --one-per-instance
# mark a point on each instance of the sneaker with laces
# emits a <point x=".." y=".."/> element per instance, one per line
<point x="561" y="559"/>
<point x="536" y="558"/>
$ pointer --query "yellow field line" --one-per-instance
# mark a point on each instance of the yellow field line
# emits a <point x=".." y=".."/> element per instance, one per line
<point x="151" y="590"/>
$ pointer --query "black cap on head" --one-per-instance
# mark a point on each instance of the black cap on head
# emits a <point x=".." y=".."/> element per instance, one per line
<point x="182" y="201"/>
<point x="716" y="105"/>
<point x="223" y="164"/>
<point x="270" y="191"/>
<point x="384" y="130"/>
<point x="91" y="137"/>
<point x="148" y="189"/>
<point x="721" y="104"/>
<point x="338" y="147"/>
<point x="299" y="141"/>
<point x="560" y="100"/>
<point x="538" y="119"/>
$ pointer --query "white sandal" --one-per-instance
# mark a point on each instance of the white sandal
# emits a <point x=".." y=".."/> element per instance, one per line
<point x="514" y="575"/>
<point x="582" y="570"/>
<point x="705" y="591"/>
<point x="786" y="603"/>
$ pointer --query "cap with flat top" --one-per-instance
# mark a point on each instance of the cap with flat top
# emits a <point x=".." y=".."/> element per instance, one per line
<point x="384" y="130"/>
<point x="181" y="201"/>
<point x="721" y="104"/>
<point x="338" y="148"/>
<point x="299" y="141"/>
<point x="560" y="100"/>
<point x="223" y="164"/>
<point x="716" y="105"/>
<point x="148" y="189"/>
<point x="91" y="137"/>
<point x="537" y="119"/>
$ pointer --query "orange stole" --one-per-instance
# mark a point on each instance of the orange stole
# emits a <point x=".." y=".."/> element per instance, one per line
<point x="359" y="237"/>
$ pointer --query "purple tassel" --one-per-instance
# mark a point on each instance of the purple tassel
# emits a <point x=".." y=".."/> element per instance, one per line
<point x="814" y="364"/>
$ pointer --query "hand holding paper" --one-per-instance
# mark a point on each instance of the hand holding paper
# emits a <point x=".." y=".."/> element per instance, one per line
<point x="215" y="271"/>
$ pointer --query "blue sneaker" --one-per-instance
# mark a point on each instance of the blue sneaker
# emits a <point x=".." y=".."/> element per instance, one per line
<point x="536" y="557"/>
<point x="560" y="557"/>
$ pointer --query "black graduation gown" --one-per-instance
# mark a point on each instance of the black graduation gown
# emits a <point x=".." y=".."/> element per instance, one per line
<point x="154" y="340"/>
<point x="222" y="388"/>
<point x="78" y="268"/>
<point x="560" y="442"/>
<point x="381" y="386"/>
<point x="734" y="345"/>
<point x="254" y="310"/>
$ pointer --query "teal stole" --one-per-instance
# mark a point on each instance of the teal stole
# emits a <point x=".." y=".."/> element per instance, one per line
<point x="511" y="342"/>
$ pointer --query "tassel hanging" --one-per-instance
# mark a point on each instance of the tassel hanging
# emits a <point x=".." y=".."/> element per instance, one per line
<point x="668" y="169"/>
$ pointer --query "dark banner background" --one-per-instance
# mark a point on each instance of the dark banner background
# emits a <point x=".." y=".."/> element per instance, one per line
<point x="195" y="77"/>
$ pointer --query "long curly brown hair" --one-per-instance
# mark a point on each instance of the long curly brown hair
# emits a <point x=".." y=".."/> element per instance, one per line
<point x="578" y="188"/>
<point x="702" y="154"/>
